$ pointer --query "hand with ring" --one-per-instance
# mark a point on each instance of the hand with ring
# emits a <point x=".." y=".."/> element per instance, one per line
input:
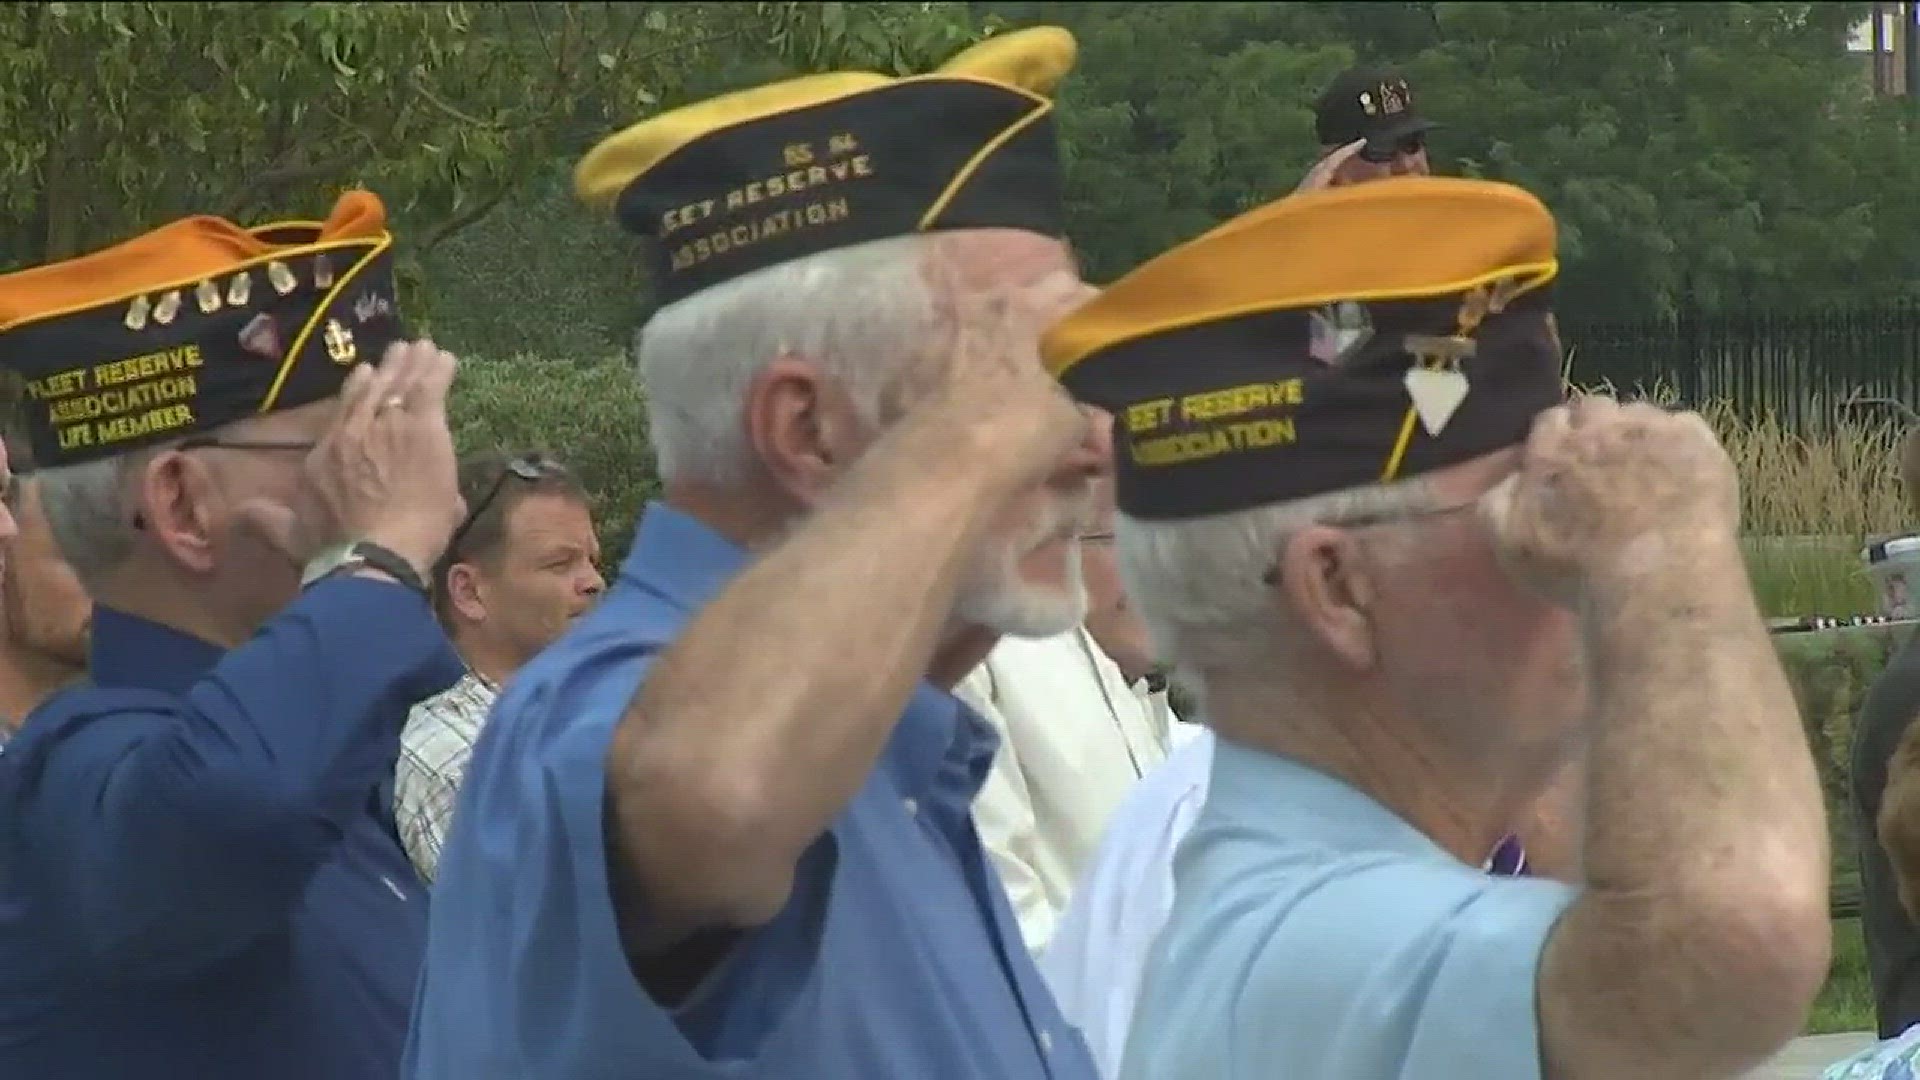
<point x="393" y="483"/>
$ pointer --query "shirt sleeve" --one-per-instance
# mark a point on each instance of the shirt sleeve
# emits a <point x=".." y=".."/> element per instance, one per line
<point x="175" y="832"/>
<point x="534" y="833"/>
<point x="1003" y="814"/>
<point x="1403" y="972"/>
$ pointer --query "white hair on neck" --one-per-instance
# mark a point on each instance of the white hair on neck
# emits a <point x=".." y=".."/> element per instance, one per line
<point x="860" y="312"/>
<point x="1198" y="582"/>
<point x="86" y="508"/>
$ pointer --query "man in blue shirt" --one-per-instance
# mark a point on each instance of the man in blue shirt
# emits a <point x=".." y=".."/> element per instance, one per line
<point x="1357" y="511"/>
<point x="721" y="828"/>
<point x="199" y="875"/>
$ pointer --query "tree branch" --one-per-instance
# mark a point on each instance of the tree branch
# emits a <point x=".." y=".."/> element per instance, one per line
<point x="464" y="117"/>
<point x="461" y="221"/>
<point x="268" y="183"/>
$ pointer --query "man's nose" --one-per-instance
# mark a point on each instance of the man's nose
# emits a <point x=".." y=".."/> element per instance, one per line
<point x="1093" y="458"/>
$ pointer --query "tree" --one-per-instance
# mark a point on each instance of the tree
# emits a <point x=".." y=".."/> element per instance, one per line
<point x="115" y="117"/>
<point x="1698" y="156"/>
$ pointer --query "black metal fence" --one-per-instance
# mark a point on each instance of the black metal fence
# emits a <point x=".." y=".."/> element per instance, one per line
<point x="1795" y="367"/>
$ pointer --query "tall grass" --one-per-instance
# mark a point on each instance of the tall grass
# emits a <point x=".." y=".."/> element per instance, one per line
<point x="1810" y="500"/>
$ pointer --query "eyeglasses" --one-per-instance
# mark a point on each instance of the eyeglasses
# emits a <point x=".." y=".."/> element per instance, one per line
<point x="1408" y="146"/>
<point x="1368" y="521"/>
<point x="215" y="442"/>
<point x="530" y="469"/>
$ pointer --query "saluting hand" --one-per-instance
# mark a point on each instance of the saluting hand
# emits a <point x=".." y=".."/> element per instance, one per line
<point x="386" y="471"/>
<point x="990" y="382"/>
<point x="1605" y="490"/>
<point x="383" y="472"/>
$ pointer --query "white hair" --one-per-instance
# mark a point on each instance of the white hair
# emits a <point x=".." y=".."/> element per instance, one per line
<point x="86" y="508"/>
<point x="860" y="312"/>
<point x="1197" y="583"/>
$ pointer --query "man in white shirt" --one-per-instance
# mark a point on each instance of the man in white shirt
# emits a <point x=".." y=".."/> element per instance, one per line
<point x="517" y="572"/>
<point x="1081" y="717"/>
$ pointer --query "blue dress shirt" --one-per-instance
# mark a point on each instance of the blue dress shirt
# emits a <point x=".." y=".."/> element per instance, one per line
<point x="199" y="876"/>
<point x="1317" y="936"/>
<point x="897" y="955"/>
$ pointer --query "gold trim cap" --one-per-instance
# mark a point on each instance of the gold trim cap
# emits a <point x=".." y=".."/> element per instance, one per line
<point x="1324" y="341"/>
<point x="759" y="177"/>
<point x="195" y="325"/>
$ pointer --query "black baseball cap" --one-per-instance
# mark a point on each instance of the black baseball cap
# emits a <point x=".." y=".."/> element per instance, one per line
<point x="1370" y="103"/>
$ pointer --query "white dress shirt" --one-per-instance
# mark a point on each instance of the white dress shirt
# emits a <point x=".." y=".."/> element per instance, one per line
<point x="1075" y="738"/>
<point x="1099" y="950"/>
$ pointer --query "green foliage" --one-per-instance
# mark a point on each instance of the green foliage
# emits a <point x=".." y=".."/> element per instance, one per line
<point x="591" y="415"/>
<point x="1706" y="155"/>
<point x="1846" y="1002"/>
<point x="541" y="276"/>
<point x="116" y="117"/>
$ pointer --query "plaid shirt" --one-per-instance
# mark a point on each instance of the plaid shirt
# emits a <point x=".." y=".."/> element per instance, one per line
<point x="434" y="750"/>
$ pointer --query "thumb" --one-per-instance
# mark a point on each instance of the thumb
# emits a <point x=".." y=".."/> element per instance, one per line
<point x="1496" y="507"/>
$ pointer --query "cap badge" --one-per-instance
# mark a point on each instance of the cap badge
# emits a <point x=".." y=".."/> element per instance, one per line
<point x="167" y="308"/>
<point x="240" y="289"/>
<point x="340" y="346"/>
<point x="1337" y="331"/>
<point x="280" y="277"/>
<point x="137" y="313"/>
<point x="370" y="306"/>
<point x="207" y="295"/>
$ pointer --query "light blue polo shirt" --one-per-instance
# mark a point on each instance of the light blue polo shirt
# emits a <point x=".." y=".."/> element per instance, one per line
<point x="1316" y="936"/>
<point x="896" y="957"/>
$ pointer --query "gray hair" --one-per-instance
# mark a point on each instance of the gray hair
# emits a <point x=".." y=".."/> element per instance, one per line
<point x="860" y="312"/>
<point x="86" y="508"/>
<point x="1197" y="583"/>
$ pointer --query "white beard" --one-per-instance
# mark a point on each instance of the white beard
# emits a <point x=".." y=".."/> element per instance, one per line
<point x="995" y="596"/>
<point x="1008" y="605"/>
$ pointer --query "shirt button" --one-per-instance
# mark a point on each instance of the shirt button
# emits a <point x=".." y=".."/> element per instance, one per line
<point x="912" y="805"/>
<point x="1046" y="1042"/>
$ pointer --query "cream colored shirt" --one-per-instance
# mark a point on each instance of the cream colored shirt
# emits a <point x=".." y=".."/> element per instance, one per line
<point x="1075" y="737"/>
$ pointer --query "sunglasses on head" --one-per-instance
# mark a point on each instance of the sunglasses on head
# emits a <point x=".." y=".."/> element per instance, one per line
<point x="530" y="469"/>
<point x="1409" y="146"/>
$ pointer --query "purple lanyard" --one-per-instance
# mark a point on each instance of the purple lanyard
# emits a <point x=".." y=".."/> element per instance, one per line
<point x="1509" y="859"/>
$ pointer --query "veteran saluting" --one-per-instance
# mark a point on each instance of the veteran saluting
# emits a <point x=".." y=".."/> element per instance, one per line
<point x="198" y="874"/>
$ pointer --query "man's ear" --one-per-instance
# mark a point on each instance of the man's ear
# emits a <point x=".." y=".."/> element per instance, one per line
<point x="177" y="500"/>
<point x="802" y="425"/>
<point x="464" y="594"/>
<point x="1328" y="585"/>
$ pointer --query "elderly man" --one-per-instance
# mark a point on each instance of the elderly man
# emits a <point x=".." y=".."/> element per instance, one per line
<point x="198" y="871"/>
<point x="1078" y="725"/>
<point x="520" y="567"/>
<point x="44" y="611"/>
<point x="722" y="827"/>
<point x="1389" y="560"/>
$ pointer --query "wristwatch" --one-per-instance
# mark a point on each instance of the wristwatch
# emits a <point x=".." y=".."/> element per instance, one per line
<point x="363" y="554"/>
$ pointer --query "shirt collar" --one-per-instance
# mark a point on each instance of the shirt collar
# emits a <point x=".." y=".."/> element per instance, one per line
<point x="681" y="560"/>
<point x="1270" y="793"/>
<point x="678" y="558"/>
<point x="128" y="651"/>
